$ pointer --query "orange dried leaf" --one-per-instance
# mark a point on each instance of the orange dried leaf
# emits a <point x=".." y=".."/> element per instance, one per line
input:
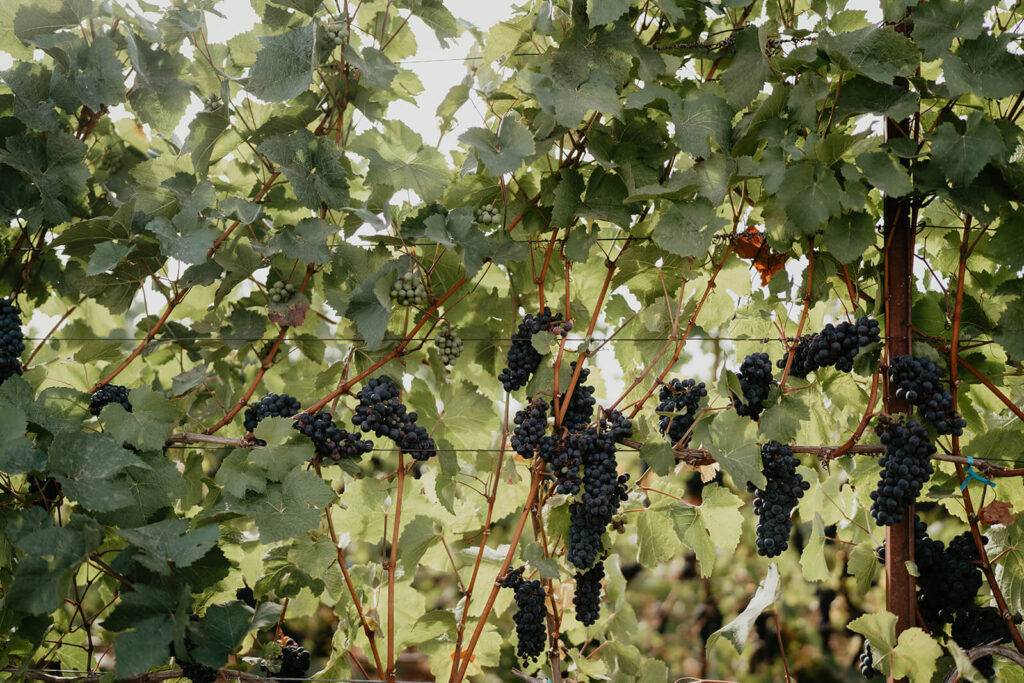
<point x="751" y="245"/>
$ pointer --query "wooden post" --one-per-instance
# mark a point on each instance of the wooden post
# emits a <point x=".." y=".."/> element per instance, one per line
<point x="900" y="596"/>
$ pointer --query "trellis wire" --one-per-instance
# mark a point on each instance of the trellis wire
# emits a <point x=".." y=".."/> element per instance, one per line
<point x="96" y="675"/>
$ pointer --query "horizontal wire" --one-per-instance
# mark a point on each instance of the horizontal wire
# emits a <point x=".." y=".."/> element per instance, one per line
<point x="231" y="676"/>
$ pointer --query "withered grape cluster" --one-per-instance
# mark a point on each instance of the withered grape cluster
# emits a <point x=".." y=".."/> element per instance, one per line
<point x="523" y="360"/>
<point x="835" y="345"/>
<point x="756" y="381"/>
<point x="530" y="614"/>
<point x="587" y="598"/>
<point x="107" y="394"/>
<point x="449" y="345"/>
<point x="531" y="423"/>
<point x="681" y="397"/>
<point x="12" y="340"/>
<point x="918" y="381"/>
<point x="332" y="443"/>
<point x="906" y="466"/>
<point x="381" y="411"/>
<point x="774" y="505"/>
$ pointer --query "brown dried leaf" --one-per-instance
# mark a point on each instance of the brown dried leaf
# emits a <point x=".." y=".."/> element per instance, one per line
<point x="997" y="512"/>
<point x="292" y="316"/>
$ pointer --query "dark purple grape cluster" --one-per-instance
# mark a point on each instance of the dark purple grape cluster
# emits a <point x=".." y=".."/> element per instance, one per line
<point x="866" y="664"/>
<point x="906" y="466"/>
<point x="530" y="615"/>
<point x="332" y="443"/>
<point x="107" y="394"/>
<point x="918" y="381"/>
<point x="381" y="411"/>
<point x="835" y="345"/>
<point x="587" y="598"/>
<point x="976" y="626"/>
<point x="616" y="426"/>
<point x="756" y="381"/>
<point x="246" y="595"/>
<point x="523" y="360"/>
<point x="586" y="526"/>
<point x="271" y="405"/>
<point x="531" y="423"/>
<point x="294" y="661"/>
<point x="564" y="455"/>
<point x="191" y="669"/>
<point x="12" y="339"/>
<point x="683" y="398"/>
<point x="774" y="505"/>
<point x="580" y="411"/>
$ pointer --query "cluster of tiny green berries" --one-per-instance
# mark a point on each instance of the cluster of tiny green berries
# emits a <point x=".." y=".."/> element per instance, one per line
<point x="337" y="31"/>
<point x="488" y="215"/>
<point x="280" y="292"/>
<point x="408" y="290"/>
<point x="449" y="345"/>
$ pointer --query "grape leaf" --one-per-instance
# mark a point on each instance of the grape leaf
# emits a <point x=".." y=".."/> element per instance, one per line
<point x="284" y="65"/>
<point x="737" y="631"/>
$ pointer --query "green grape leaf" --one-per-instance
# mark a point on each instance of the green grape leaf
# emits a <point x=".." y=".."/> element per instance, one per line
<point x="313" y="167"/>
<point x="88" y="467"/>
<point x="290" y="508"/>
<point x="658" y="455"/>
<point x="1010" y="333"/>
<point x="812" y="559"/>
<point x="984" y="67"/>
<point x="219" y="632"/>
<point x="749" y="68"/>
<point x="145" y="647"/>
<point x="170" y="543"/>
<point x="737" y="631"/>
<point x="306" y="241"/>
<point x="418" y="535"/>
<point x="962" y="155"/>
<point x="733" y="444"/>
<point x="885" y="173"/>
<point x="158" y="95"/>
<point x="502" y="152"/>
<point x="284" y="65"/>
<point x="848" y="236"/>
<point x="937" y="23"/>
<point x="601" y="12"/>
<point x="688" y="229"/>
<point x="657" y="540"/>
<point x="876" y="52"/>
<point x="148" y="425"/>
<point x="863" y="565"/>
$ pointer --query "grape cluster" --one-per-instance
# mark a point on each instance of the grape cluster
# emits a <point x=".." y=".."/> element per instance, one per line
<point x="191" y="669"/>
<point x="280" y="291"/>
<point x="408" y="290"/>
<point x="918" y="381"/>
<point x="337" y="31"/>
<point x="835" y="345"/>
<point x="531" y="423"/>
<point x="11" y="340"/>
<point x="681" y="397"/>
<point x="530" y="614"/>
<point x="523" y="360"/>
<point x="980" y="626"/>
<point x="271" y="405"/>
<point x="106" y="394"/>
<point x="756" y="381"/>
<point x="581" y="404"/>
<point x="866" y="664"/>
<point x="906" y="466"/>
<point x="294" y="661"/>
<point x="381" y="411"/>
<point x="616" y="426"/>
<point x="587" y="598"/>
<point x="774" y="505"/>
<point x="586" y="526"/>
<point x="563" y="455"/>
<point x="449" y="345"/>
<point x="332" y="443"/>
<point x="488" y="215"/>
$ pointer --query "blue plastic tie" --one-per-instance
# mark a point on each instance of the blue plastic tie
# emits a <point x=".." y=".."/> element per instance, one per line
<point x="972" y="474"/>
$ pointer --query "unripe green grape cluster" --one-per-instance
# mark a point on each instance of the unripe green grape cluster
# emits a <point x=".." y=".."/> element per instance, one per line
<point x="408" y="290"/>
<point x="280" y="292"/>
<point x="337" y="31"/>
<point x="449" y="345"/>
<point x="488" y="215"/>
